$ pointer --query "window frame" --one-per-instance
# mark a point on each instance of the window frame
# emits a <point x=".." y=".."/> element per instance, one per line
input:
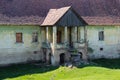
<point x="35" y="37"/>
<point x="19" y="37"/>
<point x="101" y="36"/>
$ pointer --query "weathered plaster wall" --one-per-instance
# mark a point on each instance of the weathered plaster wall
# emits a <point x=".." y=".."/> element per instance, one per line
<point x="110" y="45"/>
<point x="12" y="52"/>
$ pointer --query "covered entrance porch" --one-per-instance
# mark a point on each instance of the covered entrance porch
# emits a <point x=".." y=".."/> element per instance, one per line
<point x="65" y="34"/>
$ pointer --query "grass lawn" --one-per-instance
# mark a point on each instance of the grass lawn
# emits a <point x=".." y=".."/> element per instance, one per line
<point x="104" y="70"/>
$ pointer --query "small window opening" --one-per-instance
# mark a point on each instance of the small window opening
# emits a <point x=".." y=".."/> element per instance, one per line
<point x="101" y="35"/>
<point x="101" y="49"/>
<point x="19" y="37"/>
<point x="35" y="37"/>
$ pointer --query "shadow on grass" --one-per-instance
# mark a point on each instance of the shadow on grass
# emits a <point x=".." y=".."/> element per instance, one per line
<point x="22" y="69"/>
<point x="27" y="69"/>
<point x="107" y="63"/>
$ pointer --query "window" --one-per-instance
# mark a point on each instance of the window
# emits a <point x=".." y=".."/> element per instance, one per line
<point x="35" y="37"/>
<point x="101" y="49"/>
<point x="101" y="35"/>
<point x="19" y="37"/>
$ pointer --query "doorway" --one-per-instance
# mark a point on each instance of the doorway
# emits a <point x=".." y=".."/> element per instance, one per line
<point x="44" y="55"/>
<point x="50" y="58"/>
<point x="62" y="58"/>
<point x="80" y="54"/>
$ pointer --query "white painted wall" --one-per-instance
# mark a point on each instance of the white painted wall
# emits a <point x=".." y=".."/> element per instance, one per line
<point x="110" y="45"/>
<point x="12" y="52"/>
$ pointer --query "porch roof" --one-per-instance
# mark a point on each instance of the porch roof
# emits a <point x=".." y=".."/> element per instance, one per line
<point x="65" y="16"/>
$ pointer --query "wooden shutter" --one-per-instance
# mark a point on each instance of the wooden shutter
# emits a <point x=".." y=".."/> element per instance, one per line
<point x="18" y="37"/>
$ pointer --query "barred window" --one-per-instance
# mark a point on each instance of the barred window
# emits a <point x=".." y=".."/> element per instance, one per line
<point x="35" y="37"/>
<point x="19" y="37"/>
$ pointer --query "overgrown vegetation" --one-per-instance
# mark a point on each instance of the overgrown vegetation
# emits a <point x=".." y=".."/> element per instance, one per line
<point x="102" y="69"/>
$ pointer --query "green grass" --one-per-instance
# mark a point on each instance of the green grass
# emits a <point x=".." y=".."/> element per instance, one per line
<point x="104" y="70"/>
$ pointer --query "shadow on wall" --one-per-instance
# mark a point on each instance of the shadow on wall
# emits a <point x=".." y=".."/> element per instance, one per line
<point x="23" y="69"/>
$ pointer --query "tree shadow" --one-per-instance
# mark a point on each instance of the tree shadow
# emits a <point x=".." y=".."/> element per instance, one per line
<point x="23" y="69"/>
<point x="106" y="63"/>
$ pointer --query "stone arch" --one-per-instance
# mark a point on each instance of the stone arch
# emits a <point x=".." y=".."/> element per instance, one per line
<point x="81" y="55"/>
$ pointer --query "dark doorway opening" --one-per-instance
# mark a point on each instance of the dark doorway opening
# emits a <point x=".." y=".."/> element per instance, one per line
<point x="80" y="54"/>
<point x="62" y="58"/>
<point x="50" y="58"/>
<point x="44" y="55"/>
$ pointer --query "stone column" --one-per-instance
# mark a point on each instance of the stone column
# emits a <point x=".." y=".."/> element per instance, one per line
<point x="79" y="34"/>
<point x="86" y="44"/>
<point x="85" y="33"/>
<point x="42" y="34"/>
<point x="47" y="34"/>
<point x="65" y="34"/>
<point x="82" y="36"/>
<point x="54" y="37"/>
<point x="55" y="59"/>
<point x="75" y="34"/>
<point x="42" y="40"/>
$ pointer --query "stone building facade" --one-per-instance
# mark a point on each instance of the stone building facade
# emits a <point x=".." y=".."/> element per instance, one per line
<point x="104" y="41"/>
<point x="52" y="41"/>
<point x="63" y="34"/>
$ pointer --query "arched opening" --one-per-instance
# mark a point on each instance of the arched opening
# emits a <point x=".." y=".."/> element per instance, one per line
<point x="62" y="58"/>
<point x="50" y="58"/>
<point x="80" y="54"/>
